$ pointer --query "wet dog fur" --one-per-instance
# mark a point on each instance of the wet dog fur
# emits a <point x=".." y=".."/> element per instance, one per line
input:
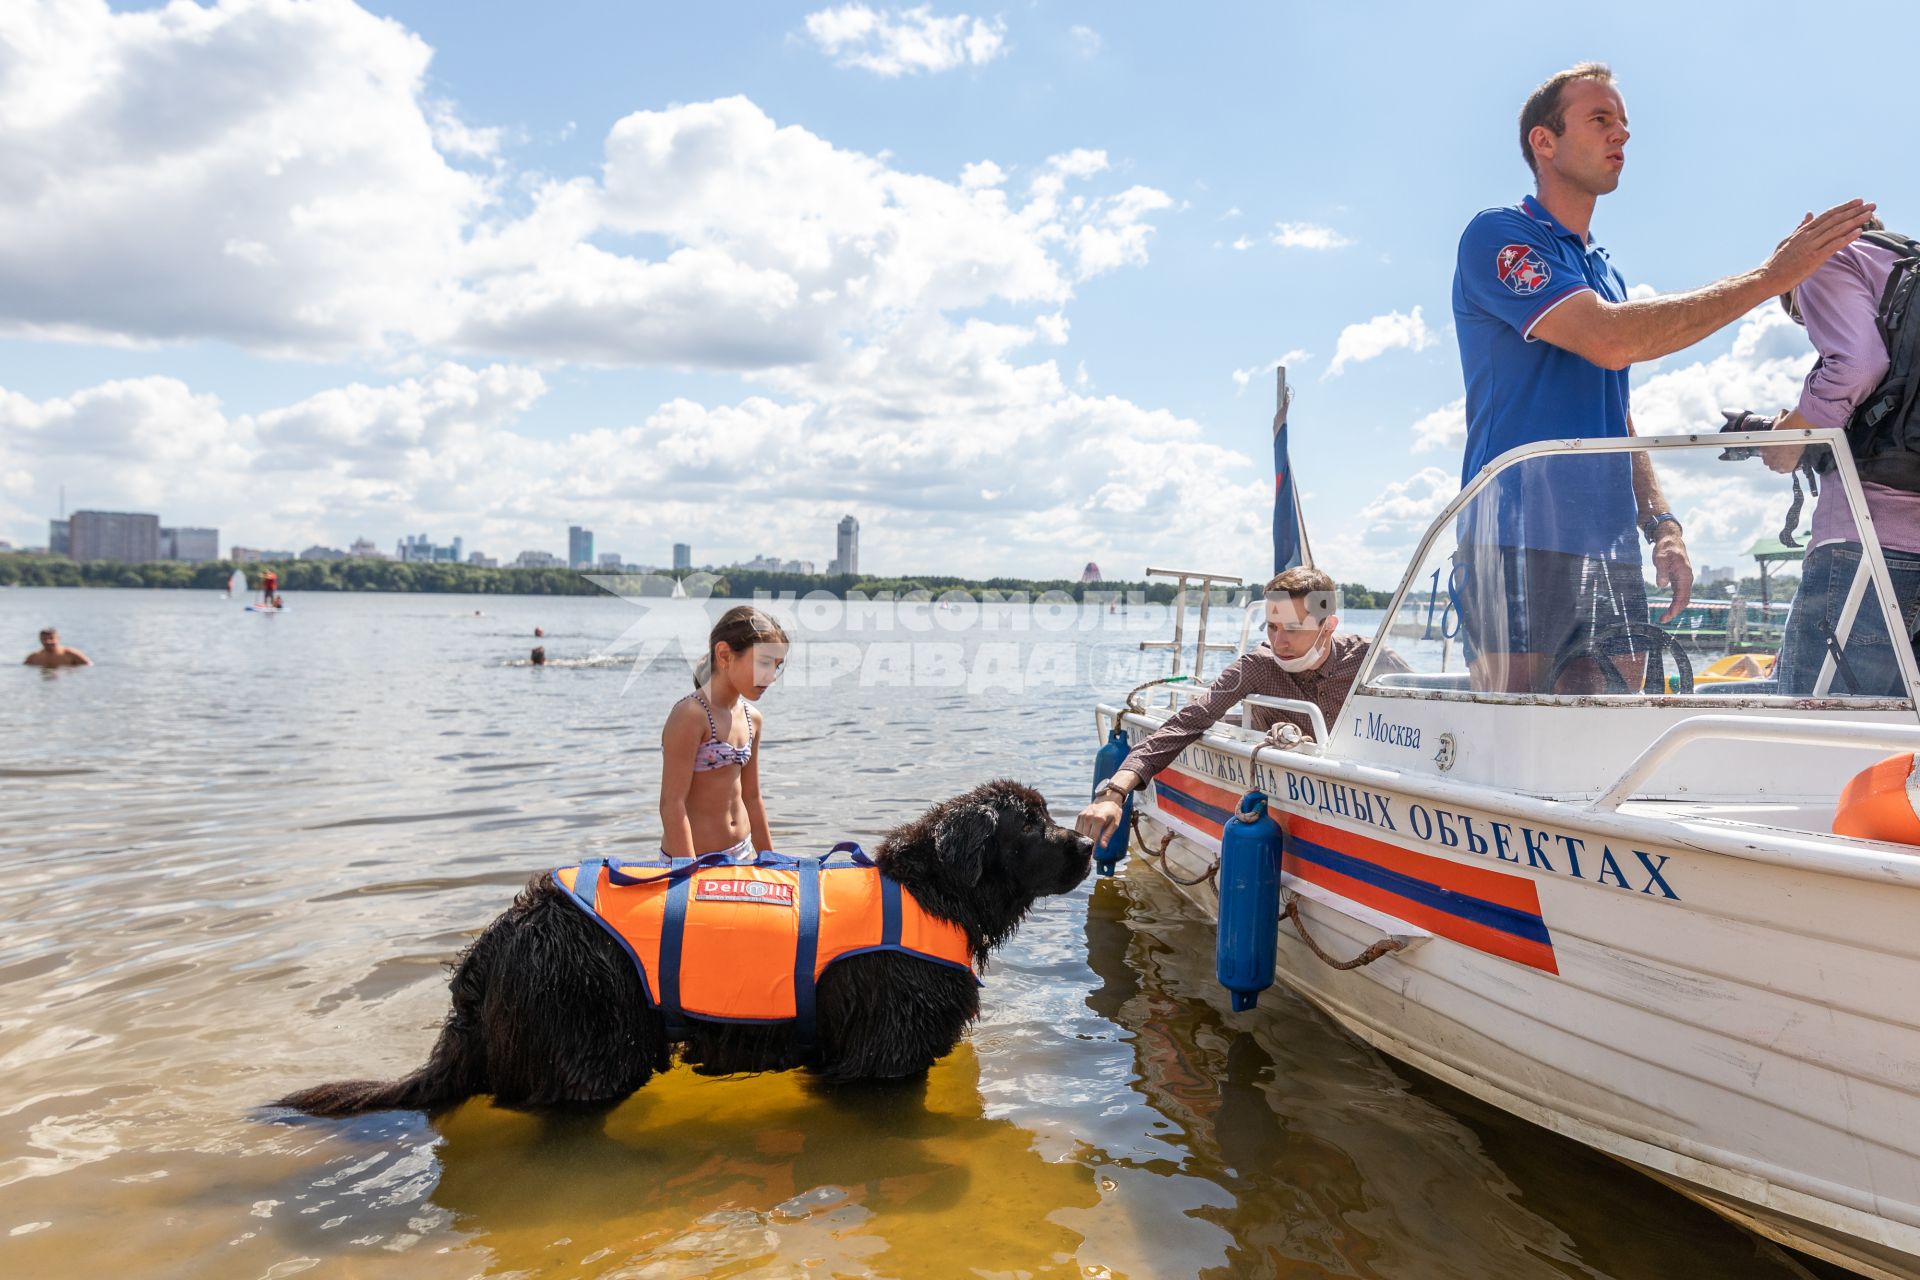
<point x="550" y="1012"/>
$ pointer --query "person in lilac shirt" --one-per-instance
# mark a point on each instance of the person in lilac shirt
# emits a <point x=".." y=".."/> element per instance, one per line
<point x="1839" y="305"/>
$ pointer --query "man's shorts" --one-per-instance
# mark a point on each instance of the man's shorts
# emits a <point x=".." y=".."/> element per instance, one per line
<point x="1524" y="600"/>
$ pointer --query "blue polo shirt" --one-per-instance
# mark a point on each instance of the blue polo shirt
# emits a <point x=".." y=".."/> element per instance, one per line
<point x="1516" y="265"/>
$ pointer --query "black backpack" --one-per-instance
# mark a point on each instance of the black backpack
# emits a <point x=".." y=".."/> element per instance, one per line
<point x="1884" y="431"/>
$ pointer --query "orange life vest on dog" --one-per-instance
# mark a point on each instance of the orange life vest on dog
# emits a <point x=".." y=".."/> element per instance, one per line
<point x="747" y="942"/>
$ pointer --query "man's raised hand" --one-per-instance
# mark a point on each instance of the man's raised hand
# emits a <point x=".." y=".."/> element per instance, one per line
<point x="1813" y="242"/>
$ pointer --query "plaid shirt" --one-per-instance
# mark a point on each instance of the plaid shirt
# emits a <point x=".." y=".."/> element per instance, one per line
<point x="1257" y="671"/>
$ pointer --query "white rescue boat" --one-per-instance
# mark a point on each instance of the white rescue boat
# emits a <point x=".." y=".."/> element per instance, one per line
<point x="1622" y="915"/>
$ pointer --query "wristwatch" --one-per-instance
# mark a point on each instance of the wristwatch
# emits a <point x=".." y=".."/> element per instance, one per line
<point x="1652" y="523"/>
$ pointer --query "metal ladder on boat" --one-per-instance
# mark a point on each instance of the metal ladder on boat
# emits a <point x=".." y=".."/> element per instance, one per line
<point x="1178" y="644"/>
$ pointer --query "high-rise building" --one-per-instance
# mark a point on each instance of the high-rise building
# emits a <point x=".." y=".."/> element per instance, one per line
<point x="364" y="549"/>
<point x="195" y="546"/>
<point x="579" y="547"/>
<point x="114" y="535"/>
<point x="774" y="564"/>
<point x="682" y="557"/>
<point x="59" y="537"/>
<point x="419" y="549"/>
<point x="610" y="560"/>
<point x="847" y="547"/>
<point x="538" y="560"/>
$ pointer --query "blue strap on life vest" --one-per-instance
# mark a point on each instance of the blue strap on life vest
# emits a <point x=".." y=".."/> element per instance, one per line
<point x="860" y="857"/>
<point x="673" y="932"/>
<point x="678" y="869"/>
<point x="586" y="882"/>
<point x="805" y="952"/>
<point x="889" y="912"/>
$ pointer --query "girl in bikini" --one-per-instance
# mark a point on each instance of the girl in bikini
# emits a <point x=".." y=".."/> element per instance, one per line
<point x="709" y="762"/>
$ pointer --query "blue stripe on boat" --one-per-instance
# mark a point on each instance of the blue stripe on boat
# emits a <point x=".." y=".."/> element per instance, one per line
<point x="1192" y="804"/>
<point x="1493" y="915"/>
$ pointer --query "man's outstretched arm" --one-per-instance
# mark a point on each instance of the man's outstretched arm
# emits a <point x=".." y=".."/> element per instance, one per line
<point x="1614" y="335"/>
<point x="1099" y="820"/>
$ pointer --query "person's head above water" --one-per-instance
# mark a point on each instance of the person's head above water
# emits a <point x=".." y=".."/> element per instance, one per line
<point x="745" y="650"/>
<point x="49" y="639"/>
<point x="539" y="655"/>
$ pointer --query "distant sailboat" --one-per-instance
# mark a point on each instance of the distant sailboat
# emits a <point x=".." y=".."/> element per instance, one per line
<point x="679" y="592"/>
<point x="237" y="584"/>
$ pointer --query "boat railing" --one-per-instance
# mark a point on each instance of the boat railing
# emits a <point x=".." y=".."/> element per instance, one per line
<point x="1311" y="711"/>
<point x="1177" y="645"/>
<point x="1773" y="729"/>
<point x="1421" y="579"/>
<point x="1315" y="717"/>
<point x="1256" y="608"/>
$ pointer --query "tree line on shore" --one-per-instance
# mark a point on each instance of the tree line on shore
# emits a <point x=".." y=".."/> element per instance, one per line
<point x="464" y="579"/>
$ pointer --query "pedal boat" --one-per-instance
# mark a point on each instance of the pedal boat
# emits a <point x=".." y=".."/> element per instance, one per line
<point x="1621" y="915"/>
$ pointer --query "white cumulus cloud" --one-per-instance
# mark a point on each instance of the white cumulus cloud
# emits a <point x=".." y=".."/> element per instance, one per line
<point x="1291" y="360"/>
<point x="1013" y="472"/>
<point x="1373" y="338"/>
<point x="1444" y="428"/>
<point x="265" y="173"/>
<point x="896" y="42"/>
<point x="1307" y="235"/>
<point x="1417" y="499"/>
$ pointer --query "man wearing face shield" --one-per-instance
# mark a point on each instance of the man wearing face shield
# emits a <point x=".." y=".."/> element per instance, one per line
<point x="1304" y="658"/>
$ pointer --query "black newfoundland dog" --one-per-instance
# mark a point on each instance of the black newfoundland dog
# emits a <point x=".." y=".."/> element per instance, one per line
<point x="549" y="1010"/>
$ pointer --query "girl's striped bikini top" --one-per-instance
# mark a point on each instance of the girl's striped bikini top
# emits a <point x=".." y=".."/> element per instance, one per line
<point x="716" y="753"/>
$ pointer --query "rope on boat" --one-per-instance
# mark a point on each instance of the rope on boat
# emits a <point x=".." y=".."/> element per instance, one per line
<point x="1140" y="847"/>
<point x="1384" y="947"/>
<point x="1140" y="842"/>
<point x="1132" y="700"/>
<point x="1213" y="869"/>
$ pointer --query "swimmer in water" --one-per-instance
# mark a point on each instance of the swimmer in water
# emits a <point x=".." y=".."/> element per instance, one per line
<point x="539" y="655"/>
<point x="52" y="653"/>
<point x="538" y="632"/>
<point x="710" y="747"/>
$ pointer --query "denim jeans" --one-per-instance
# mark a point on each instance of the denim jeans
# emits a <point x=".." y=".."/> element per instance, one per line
<point x="1825" y="577"/>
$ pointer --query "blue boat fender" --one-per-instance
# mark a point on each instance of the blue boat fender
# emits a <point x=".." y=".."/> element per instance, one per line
<point x="1106" y="763"/>
<point x="1249" y="920"/>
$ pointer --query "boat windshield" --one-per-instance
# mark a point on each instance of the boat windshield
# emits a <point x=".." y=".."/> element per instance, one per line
<point x="1538" y="580"/>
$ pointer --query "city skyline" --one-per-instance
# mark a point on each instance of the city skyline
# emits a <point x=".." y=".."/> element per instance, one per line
<point x="138" y="536"/>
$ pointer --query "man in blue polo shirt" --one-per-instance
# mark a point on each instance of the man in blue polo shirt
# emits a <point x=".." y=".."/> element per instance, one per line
<point x="1549" y="558"/>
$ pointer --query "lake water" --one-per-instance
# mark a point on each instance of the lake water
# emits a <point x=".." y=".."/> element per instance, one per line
<point x="237" y="852"/>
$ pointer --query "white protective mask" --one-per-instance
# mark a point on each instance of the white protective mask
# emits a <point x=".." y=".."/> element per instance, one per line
<point x="1312" y="657"/>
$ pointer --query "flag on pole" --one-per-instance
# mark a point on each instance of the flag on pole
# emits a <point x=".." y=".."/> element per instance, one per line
<point x="1289" y="531"/>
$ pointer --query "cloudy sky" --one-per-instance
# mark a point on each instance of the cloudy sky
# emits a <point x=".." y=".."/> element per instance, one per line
<point x="1007" y="284"/>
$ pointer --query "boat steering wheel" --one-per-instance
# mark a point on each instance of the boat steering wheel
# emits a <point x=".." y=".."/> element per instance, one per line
<point x="1624" y="638"/>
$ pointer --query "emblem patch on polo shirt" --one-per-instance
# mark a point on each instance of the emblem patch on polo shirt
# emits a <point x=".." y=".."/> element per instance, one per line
<point x="1522" y="269"/>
